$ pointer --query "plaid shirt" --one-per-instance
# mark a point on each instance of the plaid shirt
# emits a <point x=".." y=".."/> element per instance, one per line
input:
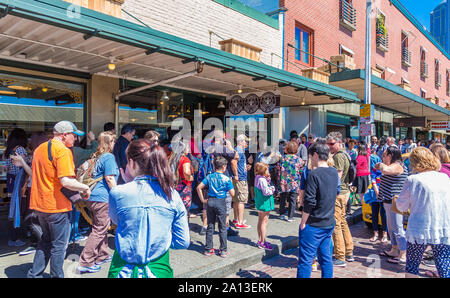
<point x="12" y="169"/>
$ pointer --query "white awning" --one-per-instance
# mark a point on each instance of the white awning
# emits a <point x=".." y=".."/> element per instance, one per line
<point x="347" y="50"/>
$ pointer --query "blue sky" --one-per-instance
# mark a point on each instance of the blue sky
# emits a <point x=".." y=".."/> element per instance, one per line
<point x="419" y="8"/>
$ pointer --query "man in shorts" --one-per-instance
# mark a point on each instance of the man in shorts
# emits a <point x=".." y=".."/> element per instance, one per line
<point x="239" y="168"/>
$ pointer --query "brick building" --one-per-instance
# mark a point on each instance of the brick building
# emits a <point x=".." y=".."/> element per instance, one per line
<point x="403" y="54"/>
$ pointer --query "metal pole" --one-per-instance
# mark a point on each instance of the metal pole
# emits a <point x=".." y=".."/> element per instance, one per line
<point x="368" y="64"/>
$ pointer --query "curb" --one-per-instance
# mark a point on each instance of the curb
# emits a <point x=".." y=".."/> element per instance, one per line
<point x="224" y="269"/>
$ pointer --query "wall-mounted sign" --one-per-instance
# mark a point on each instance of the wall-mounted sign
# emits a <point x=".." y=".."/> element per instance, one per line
<point x="410" y="122"/>
<point x="253" y="103"/>
<point x="440" y="125"/>
<point x="366" y="129"/>
<point x="366" y="113"/>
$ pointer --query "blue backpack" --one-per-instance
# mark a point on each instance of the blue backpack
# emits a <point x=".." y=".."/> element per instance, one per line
<point x="206" y="166"/>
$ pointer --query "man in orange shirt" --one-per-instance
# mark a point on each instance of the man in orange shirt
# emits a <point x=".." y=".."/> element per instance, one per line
<point x="53" y="168"/>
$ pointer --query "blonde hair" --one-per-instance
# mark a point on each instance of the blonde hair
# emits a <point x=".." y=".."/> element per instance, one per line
<point x="422" y="159"/>
<point x="104" y="143"/>
<point x="262" y="169"/>
<point x="440" y="152"/>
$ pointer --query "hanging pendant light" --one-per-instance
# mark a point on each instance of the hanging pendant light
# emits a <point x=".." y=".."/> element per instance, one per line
<point x="7" y="91"/>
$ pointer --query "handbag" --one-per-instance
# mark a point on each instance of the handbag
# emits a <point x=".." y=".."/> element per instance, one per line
<point x="395" y="209"/>
<point x="370" y="196"/>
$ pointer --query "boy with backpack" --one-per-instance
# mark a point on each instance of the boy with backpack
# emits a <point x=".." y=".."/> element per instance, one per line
<point x="218" y="186"/>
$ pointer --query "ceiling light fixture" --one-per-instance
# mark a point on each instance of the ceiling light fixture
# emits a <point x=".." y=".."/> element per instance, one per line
<point x="111" y="65"/>
<point x="165" y="97"/>
<point x="240" y="89"/>
<point x="44" y="89"/>
<point x="20" y="87"/>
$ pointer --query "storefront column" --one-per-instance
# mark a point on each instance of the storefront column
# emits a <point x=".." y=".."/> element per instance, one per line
<point x="102" y="104"/>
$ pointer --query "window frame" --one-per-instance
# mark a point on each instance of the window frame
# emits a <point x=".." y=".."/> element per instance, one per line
<point x="302" y="28"/>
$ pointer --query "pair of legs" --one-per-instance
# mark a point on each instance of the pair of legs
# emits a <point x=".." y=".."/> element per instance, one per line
<point x="314" y="240"/>
<point x="217" y="209"/>
<point x="263" y="219"/>
<point x="239" y="200"/>
<point x="96" y="248"/>
<point x="377" y="213"/>
<point x="414" y="254"/>
<point x="396" y="233"/>
<point x="342" y="238"/>
<point x="291" y="198"/>
<point x="52" y="245"/>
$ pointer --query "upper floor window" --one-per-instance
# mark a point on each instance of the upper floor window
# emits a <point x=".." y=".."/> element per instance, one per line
<point x="423" y="93"/>
<point x="347" y="14"/>
<point x="423" y="63"/>
<point x="437" y="75"/>
<point x="304" y="45"/>
<point x="406" y="53"/>
<point x="382" y="36"/>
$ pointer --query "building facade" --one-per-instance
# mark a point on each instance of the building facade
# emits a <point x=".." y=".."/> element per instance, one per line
<point x="439" y="24"/>
<point x="403" y="54"/>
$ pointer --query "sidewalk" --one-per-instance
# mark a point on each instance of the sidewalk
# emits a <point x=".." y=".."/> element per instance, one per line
<point x="190" y="263"/>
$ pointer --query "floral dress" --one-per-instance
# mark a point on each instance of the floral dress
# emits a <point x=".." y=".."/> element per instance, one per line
<point x="291" y="170"/>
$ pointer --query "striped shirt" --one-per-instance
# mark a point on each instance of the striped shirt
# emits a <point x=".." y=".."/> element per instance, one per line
<point x="391" y="186"/>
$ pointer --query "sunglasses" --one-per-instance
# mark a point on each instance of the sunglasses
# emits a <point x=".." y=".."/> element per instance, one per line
<point x="331" y="144"/>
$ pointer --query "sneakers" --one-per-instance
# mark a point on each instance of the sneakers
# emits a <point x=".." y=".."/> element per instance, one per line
<point x="27" y="251"/>
<point x="81" y="238"/>
<point x="224" y="253"/>
<point x="231" y="232"/>
<point x="235" y="222"/>
<point x="16" y="243"/>
<point x="203" y="231"/>
<point x="107" y="260"/>
<point x="339" y="263"/>
<point x="259" y="244"/>
<point x="265" y="245"/>
<point x="91" y="269"/>
<point x="290" y="219"/>
<point x="209" y="252"/>
<point x="243" y="226"/>
<point x="349" y="258"/>
<point x="314" y="267"/>
<point x="283" y="217"/>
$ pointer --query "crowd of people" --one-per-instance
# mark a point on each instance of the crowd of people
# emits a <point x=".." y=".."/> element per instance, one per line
<point x="146" y="191"/>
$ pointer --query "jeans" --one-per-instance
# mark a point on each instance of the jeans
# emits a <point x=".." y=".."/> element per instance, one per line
<point x="342" y="238"/>
<point x="53" y="244"/>
<point x="217" y="208"/>
<point x="291" y="198"/>
<point x="377" y="208"/>
<point x="310" y="241"/>
<point x="395" y="227"/>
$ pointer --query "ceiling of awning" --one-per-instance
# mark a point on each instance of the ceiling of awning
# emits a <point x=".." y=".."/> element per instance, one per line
<point x="389" y="96"/>
<point x="39" y="32"/>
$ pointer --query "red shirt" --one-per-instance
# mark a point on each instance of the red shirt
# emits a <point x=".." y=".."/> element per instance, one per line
<point x="184" y="160"/>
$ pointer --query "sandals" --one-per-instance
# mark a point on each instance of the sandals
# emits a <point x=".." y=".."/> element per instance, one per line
<point x="396" y="261"/>
<point x="385" y="254"/>
<point x="374" y="239"/>
<point x="384" y="239"/>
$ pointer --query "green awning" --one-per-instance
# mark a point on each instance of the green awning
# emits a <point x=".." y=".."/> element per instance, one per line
<point x="155" y="56"/>
<point x="389" y="96"/>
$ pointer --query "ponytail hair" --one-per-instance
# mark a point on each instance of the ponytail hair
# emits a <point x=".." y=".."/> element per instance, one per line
<point x="152" y="161"/>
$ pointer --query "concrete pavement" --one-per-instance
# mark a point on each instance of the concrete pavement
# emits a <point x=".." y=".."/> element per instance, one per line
<point x="190" y="263"/>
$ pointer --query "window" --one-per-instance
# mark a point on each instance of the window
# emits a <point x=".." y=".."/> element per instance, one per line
<point x="423" y="93"/>
<point x="447" y="82"/>
<point x="382" y="37"/>
<point x="406" y="53"/>
<point x="437" y="75"/>
<point x="347" y="15"/>
<point x="423" y="64"/>
<point x="303" y="45"/>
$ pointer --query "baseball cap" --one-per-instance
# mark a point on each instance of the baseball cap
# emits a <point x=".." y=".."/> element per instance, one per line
<point x="67" y="127"/>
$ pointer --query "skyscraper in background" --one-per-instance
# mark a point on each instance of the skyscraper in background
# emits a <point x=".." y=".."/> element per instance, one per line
<point x="440" y="25"/>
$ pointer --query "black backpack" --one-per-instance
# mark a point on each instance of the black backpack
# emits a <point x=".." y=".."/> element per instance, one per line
<point x="351" y="168"/>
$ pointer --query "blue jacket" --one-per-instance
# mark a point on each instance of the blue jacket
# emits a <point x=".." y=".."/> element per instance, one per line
<point x="119" y="152"/>
<point x="148" y="223"/>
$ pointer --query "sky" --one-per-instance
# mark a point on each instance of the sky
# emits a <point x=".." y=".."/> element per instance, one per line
<point x="420" y="9"/>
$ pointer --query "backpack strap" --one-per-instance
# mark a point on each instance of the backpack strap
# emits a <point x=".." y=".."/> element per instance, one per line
<point x="49" y="151"/>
